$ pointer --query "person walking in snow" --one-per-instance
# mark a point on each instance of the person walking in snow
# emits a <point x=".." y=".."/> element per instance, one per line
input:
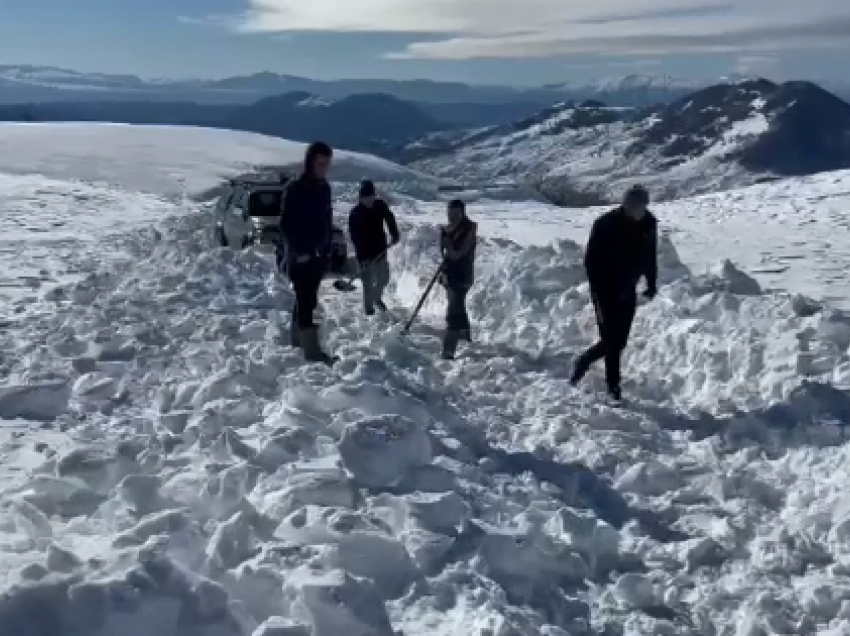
<point x="368" y="223"/>
<point x="305" y="225"/>
<point x="622" y="248"/>
<point x="458" y="240"/>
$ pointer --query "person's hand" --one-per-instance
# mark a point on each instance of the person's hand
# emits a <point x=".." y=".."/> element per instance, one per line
<point x="650" y="293"/>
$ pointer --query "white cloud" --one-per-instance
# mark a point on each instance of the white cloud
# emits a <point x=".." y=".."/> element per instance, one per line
<point x="540" y="28"/>
<point x="756" y="64"/>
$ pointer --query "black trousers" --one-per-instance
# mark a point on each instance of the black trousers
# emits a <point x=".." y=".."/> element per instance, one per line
<point x="306" y="279"/>
<point x="614" y="315"/>
<point x="457" y="318"/>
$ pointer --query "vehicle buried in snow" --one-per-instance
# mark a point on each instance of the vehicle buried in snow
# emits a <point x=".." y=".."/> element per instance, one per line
<point x="248" y="214"/>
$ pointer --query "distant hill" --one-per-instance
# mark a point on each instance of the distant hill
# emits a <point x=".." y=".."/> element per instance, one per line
<point x="358" y="122"/>
<point x="719" y="137"/>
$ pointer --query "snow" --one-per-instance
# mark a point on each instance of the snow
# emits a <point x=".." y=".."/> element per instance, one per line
<point x="788" y="234"/>
<point x="178" y="470"/>
<point x="164" y="160"/>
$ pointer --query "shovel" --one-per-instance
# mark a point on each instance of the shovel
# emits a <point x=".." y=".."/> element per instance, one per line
<point x="406" y="329"/>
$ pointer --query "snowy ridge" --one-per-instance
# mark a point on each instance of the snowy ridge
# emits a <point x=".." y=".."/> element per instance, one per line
<point x="631" y="82"/>
<point x="722" y="137"/>
<point x="169" y="160"/>
<point x="203" y="480"/>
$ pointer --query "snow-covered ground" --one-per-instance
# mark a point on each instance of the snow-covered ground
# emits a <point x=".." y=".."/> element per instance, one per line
<point x="179" y="471"/>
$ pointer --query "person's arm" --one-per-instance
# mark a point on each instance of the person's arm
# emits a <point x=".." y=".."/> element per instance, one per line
<point x="466" y="245"/>
<point x="293" y="236"/>
<point x="354" y="228"/>
<point x="595" y="256"/>
<point x="326" y="245"/>
<point x="650" y="271"/>
<point x="392" y="225"/>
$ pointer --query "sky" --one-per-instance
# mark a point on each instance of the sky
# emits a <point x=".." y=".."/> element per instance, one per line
<point x="519" y="42"/>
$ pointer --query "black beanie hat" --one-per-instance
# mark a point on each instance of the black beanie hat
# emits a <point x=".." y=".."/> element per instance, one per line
<point x="457" y="204"/>
<point x="367" y="188"/>
<point x="636" y="195"/>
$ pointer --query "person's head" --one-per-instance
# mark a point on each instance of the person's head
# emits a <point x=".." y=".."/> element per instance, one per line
<point x="636" y="201"/>
<point x="456" y="210"/>
<point x="367" y="193"/>
<point x="317" y="159"/>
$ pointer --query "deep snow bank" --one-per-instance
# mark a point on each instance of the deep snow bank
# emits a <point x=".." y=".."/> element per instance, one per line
<point x="716" y="337"/>
<point x="166" y="160"/>
<point x="216" y="485"/>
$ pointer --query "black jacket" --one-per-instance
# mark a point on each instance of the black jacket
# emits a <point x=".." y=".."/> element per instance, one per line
<point x="366" y="227"/>
<point x="307" y="216"/>
<point x="459" y="273"/>
<point x="619" y="252"/>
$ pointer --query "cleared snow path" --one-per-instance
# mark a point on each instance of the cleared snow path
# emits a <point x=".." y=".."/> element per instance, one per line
<point x="204" y="481"/>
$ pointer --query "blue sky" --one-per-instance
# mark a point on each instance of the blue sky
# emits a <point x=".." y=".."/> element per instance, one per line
<point x="483" y="41"/>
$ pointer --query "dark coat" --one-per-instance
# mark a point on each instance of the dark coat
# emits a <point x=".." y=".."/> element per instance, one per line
<point x="619" y="252"/>
<point x="306" y="218"/>
<point x="368" y="227"/>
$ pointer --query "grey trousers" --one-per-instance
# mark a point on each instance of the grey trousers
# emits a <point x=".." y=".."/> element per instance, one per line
<point x="375" y="278"/>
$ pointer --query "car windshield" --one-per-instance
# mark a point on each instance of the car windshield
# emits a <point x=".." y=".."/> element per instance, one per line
<point x="266" y="203"/>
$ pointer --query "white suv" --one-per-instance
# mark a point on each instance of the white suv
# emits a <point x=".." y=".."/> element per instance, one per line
<point x="248" y="212"/>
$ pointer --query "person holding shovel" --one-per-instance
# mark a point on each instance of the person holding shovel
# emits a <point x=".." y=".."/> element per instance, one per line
<point x="368" y="224"/>
<point x="457" y="245"/>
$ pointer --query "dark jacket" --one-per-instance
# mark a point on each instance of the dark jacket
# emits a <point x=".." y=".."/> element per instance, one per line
<point x="306" y="217"/>
<point x="619" y="252"/>
<point x="459" y="273"/>
<point x="367" y="229"/>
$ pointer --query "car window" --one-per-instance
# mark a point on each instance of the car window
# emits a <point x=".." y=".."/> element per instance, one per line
<point x="266" y="203"/>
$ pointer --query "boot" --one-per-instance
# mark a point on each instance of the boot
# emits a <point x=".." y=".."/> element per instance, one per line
<point x="294" y="334"/>
<point x="313" y="351"/>
<point x="579" y="371"/>
<point x="450" y="342"/>
<point x="368" y="303"/>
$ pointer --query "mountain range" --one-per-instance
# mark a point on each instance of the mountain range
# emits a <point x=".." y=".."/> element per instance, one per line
<point x="28" y="83"/>
<point x="723" y="136"/>
<point x="573" y="143"/>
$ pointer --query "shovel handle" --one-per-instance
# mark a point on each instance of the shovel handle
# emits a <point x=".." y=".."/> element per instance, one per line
<point x="421" y="302"/>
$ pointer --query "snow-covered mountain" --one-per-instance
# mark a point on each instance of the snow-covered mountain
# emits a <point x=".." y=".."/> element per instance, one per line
<point x="640" y="89"/>
<point x="719" y="137"/>
<point x="170" y="466"/>
<point x="452" y="100"/>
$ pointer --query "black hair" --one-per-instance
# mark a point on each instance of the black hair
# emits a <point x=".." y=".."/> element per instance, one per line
<point x="367" y="188"/>
<point x="316" y="149"/>
<point x="457" y="204"/>
<point x="636" y="195"/>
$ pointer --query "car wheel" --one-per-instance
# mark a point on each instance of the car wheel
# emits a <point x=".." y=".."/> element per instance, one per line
<point x="220" y="237"/>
